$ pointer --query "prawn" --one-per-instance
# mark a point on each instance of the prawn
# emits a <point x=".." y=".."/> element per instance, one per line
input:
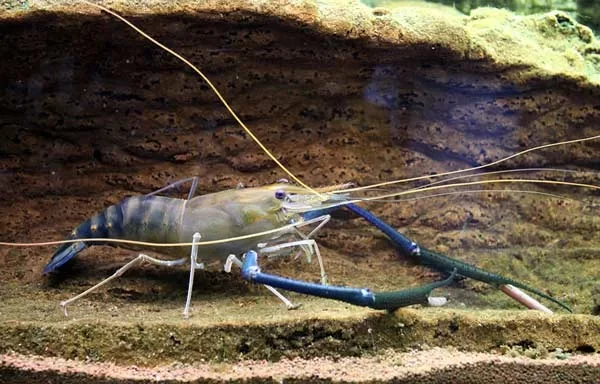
<point x="263" y="218"/>
<point x="235" y="213"/>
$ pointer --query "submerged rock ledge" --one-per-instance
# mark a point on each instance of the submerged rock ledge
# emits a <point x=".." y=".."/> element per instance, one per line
<point x="547" y="45"/>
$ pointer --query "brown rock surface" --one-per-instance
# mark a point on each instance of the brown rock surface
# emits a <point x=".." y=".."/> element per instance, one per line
<point x="339" y="92"/>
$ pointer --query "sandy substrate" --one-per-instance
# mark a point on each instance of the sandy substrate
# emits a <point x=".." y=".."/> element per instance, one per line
<point x="386" y="366"/>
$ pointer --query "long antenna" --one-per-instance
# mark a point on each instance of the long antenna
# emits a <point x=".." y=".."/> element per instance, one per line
<point x="210" y="84"/>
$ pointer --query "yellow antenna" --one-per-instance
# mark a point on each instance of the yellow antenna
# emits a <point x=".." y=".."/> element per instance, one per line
<point x="479" y="191"/>
<point x="266" y="150"/>
<point x="469" y="169"/>
<point x="407" y="192"/>
<point x="480" y="182"/>
<point x="210" y="84"/>
<point x="145" y="243"/>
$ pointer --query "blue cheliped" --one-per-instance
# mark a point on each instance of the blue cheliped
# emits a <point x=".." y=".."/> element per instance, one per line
<point x="443" y="263"/>
<point x="363" y="297"/>
<point x="385" y="300"/>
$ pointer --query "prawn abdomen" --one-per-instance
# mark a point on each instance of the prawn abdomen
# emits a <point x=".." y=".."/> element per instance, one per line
<point x="141" y="218"/>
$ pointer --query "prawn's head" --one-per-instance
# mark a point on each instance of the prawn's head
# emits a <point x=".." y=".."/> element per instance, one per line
<point x="293" y="200"/>
<point x="286" y="203"/>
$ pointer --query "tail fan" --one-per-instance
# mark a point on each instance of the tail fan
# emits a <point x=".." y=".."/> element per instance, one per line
<point x="63" y="254"/>
<point x="91" y="228"/>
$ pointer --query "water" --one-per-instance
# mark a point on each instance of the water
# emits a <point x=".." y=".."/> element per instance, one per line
<point x="92" y="113"/>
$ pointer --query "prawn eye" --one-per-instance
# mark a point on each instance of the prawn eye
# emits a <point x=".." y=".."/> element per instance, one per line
<point x="280" y="194"/>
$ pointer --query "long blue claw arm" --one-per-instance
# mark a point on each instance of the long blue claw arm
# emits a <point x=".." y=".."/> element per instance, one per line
<point x="442" y="262"/>
<point x="357" y="296"/>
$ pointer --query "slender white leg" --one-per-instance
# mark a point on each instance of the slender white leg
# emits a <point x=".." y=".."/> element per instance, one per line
<point x="308" y="246"/>
<point x="232" y="259"/>
<point x="138" y="260"/>
<point x="193" y="187"/>
<point x="288" y="304"/>
<point x="310" y="243"/>
<point x="193" y="266"/>
<point x="322" y="219"/>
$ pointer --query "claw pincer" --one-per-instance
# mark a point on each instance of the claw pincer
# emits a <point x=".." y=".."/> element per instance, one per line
<point x="442" y="262"/>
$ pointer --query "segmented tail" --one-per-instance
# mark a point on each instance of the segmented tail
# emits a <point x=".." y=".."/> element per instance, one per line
<point x="107" y="223"/>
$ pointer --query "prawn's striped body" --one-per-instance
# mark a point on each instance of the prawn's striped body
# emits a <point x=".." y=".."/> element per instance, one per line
<point x="159" y="219"/>
<point x="145" y="218"/>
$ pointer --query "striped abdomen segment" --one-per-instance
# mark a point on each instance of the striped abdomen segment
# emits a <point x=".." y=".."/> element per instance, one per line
<point x="155" y="219"/>
<point x="142" y="218"/>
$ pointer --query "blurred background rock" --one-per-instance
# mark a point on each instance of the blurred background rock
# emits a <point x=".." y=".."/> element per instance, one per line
<point x="586" y="12"/>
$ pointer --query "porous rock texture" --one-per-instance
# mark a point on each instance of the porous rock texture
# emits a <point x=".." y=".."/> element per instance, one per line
<point x="92" y="112"/>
